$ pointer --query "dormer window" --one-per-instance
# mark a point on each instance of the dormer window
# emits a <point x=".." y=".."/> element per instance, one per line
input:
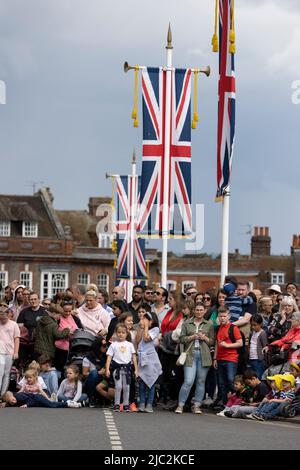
<point x="4" y="229"/>
<point x="30" y="230"/>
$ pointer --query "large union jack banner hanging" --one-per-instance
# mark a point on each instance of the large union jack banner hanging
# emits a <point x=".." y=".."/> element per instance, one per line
<point x="127" y="190"/>
<point x="154" y="177"/>
<point x="226" y="108"/>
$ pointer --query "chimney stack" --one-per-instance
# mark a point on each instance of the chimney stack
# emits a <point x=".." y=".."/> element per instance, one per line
<point x="261" y="242"/>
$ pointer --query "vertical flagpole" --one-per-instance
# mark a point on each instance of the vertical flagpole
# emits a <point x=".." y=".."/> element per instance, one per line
<point x="167" y="131"/>
<point x="225" y="235"/>
<point x="132" y="209"/>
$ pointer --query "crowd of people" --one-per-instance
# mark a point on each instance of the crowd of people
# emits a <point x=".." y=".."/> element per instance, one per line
<point x="234" y="351"/>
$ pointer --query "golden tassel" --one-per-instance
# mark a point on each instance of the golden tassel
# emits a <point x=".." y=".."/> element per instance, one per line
<point x="232" y="32"/>
<point x="195" y="114"/>
<point x="215" y="40"/>
<point x="135" y="97"/>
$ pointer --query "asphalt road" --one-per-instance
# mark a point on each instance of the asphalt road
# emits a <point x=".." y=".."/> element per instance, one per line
<point x="83" y="429"/>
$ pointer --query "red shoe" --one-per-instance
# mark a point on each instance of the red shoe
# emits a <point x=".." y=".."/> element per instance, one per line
<point x="122" y="407"/>
<point x="133" y="407"/>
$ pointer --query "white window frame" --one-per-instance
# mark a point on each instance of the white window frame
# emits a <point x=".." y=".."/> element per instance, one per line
<point x="5" y="228"/>
<point x="105" y="240"/>
<point x="171" y="285"/>
<point x="3" y="281"/>
<point x="49" y="291"/>
<point x="30" y="230"/>
<point x="25" y="283"/>
<point x="100" y="285"/>
<point x="187" y="285"/>
<point x="275" y="278"/>
<point x="83" y="283"/>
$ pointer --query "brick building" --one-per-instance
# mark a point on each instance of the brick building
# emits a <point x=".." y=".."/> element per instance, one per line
<point x="260" y="268"/>
<point x="51" y="249"/>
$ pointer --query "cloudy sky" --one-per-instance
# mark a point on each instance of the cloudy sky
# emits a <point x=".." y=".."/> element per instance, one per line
<point x="67" y="117"/>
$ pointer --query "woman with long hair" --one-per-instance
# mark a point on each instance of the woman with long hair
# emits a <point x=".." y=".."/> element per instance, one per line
<point x="169" y="351"/>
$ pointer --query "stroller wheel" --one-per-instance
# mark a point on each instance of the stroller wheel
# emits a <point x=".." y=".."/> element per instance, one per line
<point x="289" y="411"/>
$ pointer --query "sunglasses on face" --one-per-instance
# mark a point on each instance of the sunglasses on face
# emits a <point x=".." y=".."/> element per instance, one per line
<point x="206" y="298"/>
<point x="157" y="293"/>
<point x="191" y="293"/>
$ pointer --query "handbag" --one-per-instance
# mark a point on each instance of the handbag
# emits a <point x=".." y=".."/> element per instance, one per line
<point x="182" y="358"/>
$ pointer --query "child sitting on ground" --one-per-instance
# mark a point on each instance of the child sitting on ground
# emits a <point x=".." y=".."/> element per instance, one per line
<point x="259" y="390"/>
<point x="275" y="384"/>
<point x="272" y="408"/>
<point x="71" y="387"/>
<point x="49" y="375"/>
<point x="34" y="366"/>
<point x="30" y="400"/>
<point x="241" y="396"/>
<point x="32" y="384"/>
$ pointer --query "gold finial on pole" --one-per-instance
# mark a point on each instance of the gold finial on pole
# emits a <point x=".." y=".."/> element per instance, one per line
<point x="169" y="38"/>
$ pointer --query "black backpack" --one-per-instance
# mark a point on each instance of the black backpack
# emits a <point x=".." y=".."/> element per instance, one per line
<point x="242" y="352"/>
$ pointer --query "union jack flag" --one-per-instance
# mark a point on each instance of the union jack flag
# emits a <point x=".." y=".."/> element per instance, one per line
<point x="154" y="177"/>
<point x="127" y="186"/>
<point x="226" y="108"/>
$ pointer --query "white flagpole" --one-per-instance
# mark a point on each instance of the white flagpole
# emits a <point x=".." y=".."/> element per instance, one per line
<point x="166" y="215"/>
<point x="132" y="215"/>
<point x="225" y="236"/>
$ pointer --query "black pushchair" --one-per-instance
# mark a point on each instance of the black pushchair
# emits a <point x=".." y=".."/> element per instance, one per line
<point x="292" y="409"/>
<point x="80" y="344"/>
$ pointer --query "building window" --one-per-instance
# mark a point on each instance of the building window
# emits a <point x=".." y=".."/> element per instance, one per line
<point x="171" y="285"/>
<point x="52" y="283"/>
<point x="83" y="279"/>
<point x="186" y="285"/>
<point x="30" y="229"/>
<point x="26" y="279"/>
<point x="4" y="229"/>
<point x="277" y="278"/>
<point x="3" y="282"/>
<point x="105" y="240"/>
<point x="103" y="282"/>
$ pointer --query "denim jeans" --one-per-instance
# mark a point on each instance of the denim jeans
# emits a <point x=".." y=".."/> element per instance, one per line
<point x="226" y="374"/>
<point x="91" y="382"/>
<point x="6" y="361"/>
<point x="64" y="398"/>
<point x="258" y="366"/>
<point x="144" y="389"/>
<point x="198" y="372"/>
<point x="270" y="410"/>
<point x="37" y="400"/>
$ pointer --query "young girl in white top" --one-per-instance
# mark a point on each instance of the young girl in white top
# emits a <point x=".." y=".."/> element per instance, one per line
<point x="71" y="387"/>
<point x="120" y="356"/>
<point x="32" y="384"/>
<point x="149" y="363"/>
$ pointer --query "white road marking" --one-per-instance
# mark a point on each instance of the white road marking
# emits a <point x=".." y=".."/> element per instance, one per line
<point x="112" y="430"/>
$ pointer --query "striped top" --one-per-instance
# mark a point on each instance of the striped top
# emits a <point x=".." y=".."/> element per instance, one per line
<point x="235" y="303"/>
<point x="287" y="394"/>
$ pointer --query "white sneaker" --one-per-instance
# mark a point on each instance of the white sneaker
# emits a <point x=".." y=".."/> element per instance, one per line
<point x="221" y="414"/>
<point x="73" y="404"/>
<point x="179" y="409"/>
<point x="53" y="397"/>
